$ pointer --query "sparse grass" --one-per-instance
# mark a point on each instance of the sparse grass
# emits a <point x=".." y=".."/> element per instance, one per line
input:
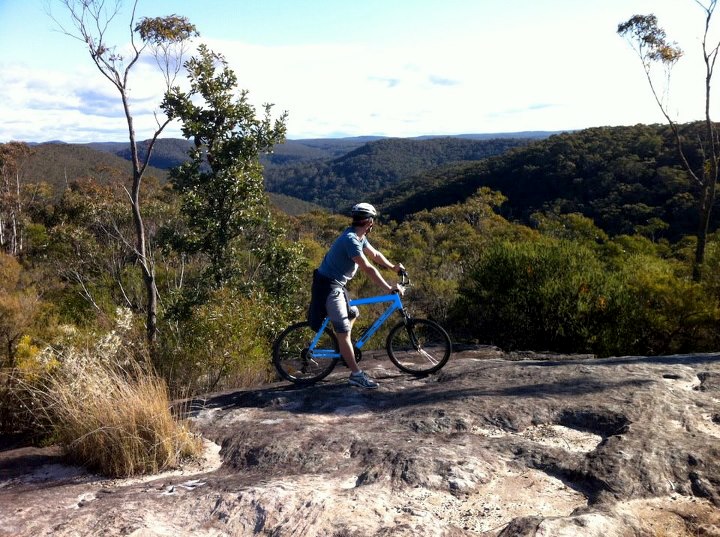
<point x="116" y="420"/>
<point x="109" y="411"/>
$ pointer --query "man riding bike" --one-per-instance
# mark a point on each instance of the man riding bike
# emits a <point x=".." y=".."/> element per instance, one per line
<point x="350" y="251"/>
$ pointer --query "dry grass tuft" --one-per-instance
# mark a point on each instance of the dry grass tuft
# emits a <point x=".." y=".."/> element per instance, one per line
<point x="117" y="422"/>
<point x="111" y="413"/>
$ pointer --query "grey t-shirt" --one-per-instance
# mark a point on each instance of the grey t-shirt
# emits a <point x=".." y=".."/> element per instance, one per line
<point x="338" y="264"/>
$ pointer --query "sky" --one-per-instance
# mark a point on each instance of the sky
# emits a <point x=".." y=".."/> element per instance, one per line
<point x="398" y="68"/>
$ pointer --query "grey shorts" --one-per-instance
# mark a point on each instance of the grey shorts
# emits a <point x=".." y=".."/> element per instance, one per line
<point x="339" y="310"/>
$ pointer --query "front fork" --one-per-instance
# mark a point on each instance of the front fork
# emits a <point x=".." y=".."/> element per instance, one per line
<point x="407" y="321"/>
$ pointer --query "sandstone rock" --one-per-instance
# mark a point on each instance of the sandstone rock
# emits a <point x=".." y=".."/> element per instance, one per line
<point x="488" y="446"/>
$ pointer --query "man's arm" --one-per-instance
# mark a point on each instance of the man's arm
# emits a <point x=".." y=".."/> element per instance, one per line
<point x="380" y="259"/>
<point x="373" y="272"/>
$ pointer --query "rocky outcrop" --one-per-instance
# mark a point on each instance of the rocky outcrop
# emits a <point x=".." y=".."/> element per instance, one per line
<point x="489" y="446"/>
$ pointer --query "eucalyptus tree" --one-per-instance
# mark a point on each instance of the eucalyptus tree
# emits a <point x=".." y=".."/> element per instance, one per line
<point x="166" y="39"/>
<point x="12" y="156"/>
<point x="651" y="43"/>
<point x="223" y="195"/>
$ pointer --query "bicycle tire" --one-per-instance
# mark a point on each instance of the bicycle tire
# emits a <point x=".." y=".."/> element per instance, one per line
<point x="292" y="359"/>
<point x="418" y="346"/>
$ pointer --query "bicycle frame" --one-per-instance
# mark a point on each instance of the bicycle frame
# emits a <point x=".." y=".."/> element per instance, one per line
<point x="395" y="305"/>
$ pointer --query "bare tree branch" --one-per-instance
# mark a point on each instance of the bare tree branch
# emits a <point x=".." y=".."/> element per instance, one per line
<point x="91" y="20"/>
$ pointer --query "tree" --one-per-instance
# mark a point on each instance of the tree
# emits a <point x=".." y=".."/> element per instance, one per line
<point x="222" y="183"/>
<point x="166" y="38"/>
<point x="19" y="305"/>
<point x="11" y="203"/>
<point x="652" y="46"/>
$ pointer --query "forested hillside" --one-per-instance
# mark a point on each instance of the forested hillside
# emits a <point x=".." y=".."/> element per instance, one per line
<point x="334" y="172"/>
<point x="293" y="151"/>
<point x="626" y="179"/>
<point x="170" y="152"/>
<point x="59" y="164"/>
<point x="376" y="166"/>
<point x="167" y="153"/>
<point x="292" y="206"/>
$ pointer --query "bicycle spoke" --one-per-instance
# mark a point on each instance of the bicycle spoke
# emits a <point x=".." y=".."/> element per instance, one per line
<point x="429" y="357"/>
<point x="419" y="346"/>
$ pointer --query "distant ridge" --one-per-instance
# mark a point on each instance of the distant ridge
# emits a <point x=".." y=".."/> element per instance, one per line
<point x="351" y="139"/>
<point x="373" y="166"/>
<point x="329" y="171"/>
<point x="493" y="136"/>
<point x="59" y="163"/>
<point x="170" y="152"/>
<point x="319" y="171"/>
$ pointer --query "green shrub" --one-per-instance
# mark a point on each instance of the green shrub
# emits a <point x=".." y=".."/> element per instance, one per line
<point x="225" y="342"/>
<point x="666" y="312"/>
<point x="541" y="295"/>
<point x="559" y="295"/>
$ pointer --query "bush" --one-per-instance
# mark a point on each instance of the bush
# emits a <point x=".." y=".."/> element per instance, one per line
<point x="108" y="411"/>
<point x="20" y="404"/>
<point x="667" y="313"/>
<point x="224" y="343"/>
<point x="543" y="295"/>
<point x="558" y="295"/>
<point x="116" y="420"/>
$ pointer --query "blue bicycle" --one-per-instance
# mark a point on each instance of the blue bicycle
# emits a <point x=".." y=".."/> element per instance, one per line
<point x="415" y="346"/>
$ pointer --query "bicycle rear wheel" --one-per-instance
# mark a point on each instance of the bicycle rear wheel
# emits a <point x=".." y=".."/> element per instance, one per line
<point x="293" y="359"/>
<point x="418" y="346"/>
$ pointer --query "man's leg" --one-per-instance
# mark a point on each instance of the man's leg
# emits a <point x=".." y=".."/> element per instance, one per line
<point x="347" y="351"/>
<point x="357" y="377"/>
<point x="343" y="320"/>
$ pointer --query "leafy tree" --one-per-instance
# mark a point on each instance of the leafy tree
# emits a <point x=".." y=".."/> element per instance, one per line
<point x="86" y="247"/>
<point x="227" y="318"/>
<point x="19" y="304"/>
<point x="652" y="46"/>
<point x="12" y="219"/>
<point x="165" y="38"/>
<point x="221" y="185"/>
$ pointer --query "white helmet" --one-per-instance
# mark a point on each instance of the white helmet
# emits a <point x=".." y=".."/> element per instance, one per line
<point x="361" y="211"/>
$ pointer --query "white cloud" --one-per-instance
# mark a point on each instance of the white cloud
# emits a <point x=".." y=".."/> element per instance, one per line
<point x="566" y="73"/>
<point x="77" y="106"/>
<point x="450" y="87"/>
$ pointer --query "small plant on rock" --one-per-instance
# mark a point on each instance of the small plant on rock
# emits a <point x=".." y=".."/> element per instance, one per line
<point x="111" y="413"/>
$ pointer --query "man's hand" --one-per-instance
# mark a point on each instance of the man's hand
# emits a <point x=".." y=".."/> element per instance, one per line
<point x="399" y="268"/>
<point x="399" y="289"/>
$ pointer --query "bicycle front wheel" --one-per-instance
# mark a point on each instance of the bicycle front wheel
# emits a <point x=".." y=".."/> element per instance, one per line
<point x="293" y="358"/>
<point x="419" y="346"/>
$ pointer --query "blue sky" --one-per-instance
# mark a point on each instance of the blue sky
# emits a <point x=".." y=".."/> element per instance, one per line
<point x="364" y="67"/>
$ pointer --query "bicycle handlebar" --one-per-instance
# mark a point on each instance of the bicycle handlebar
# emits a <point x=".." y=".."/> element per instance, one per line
<point x="404" y="281"/>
